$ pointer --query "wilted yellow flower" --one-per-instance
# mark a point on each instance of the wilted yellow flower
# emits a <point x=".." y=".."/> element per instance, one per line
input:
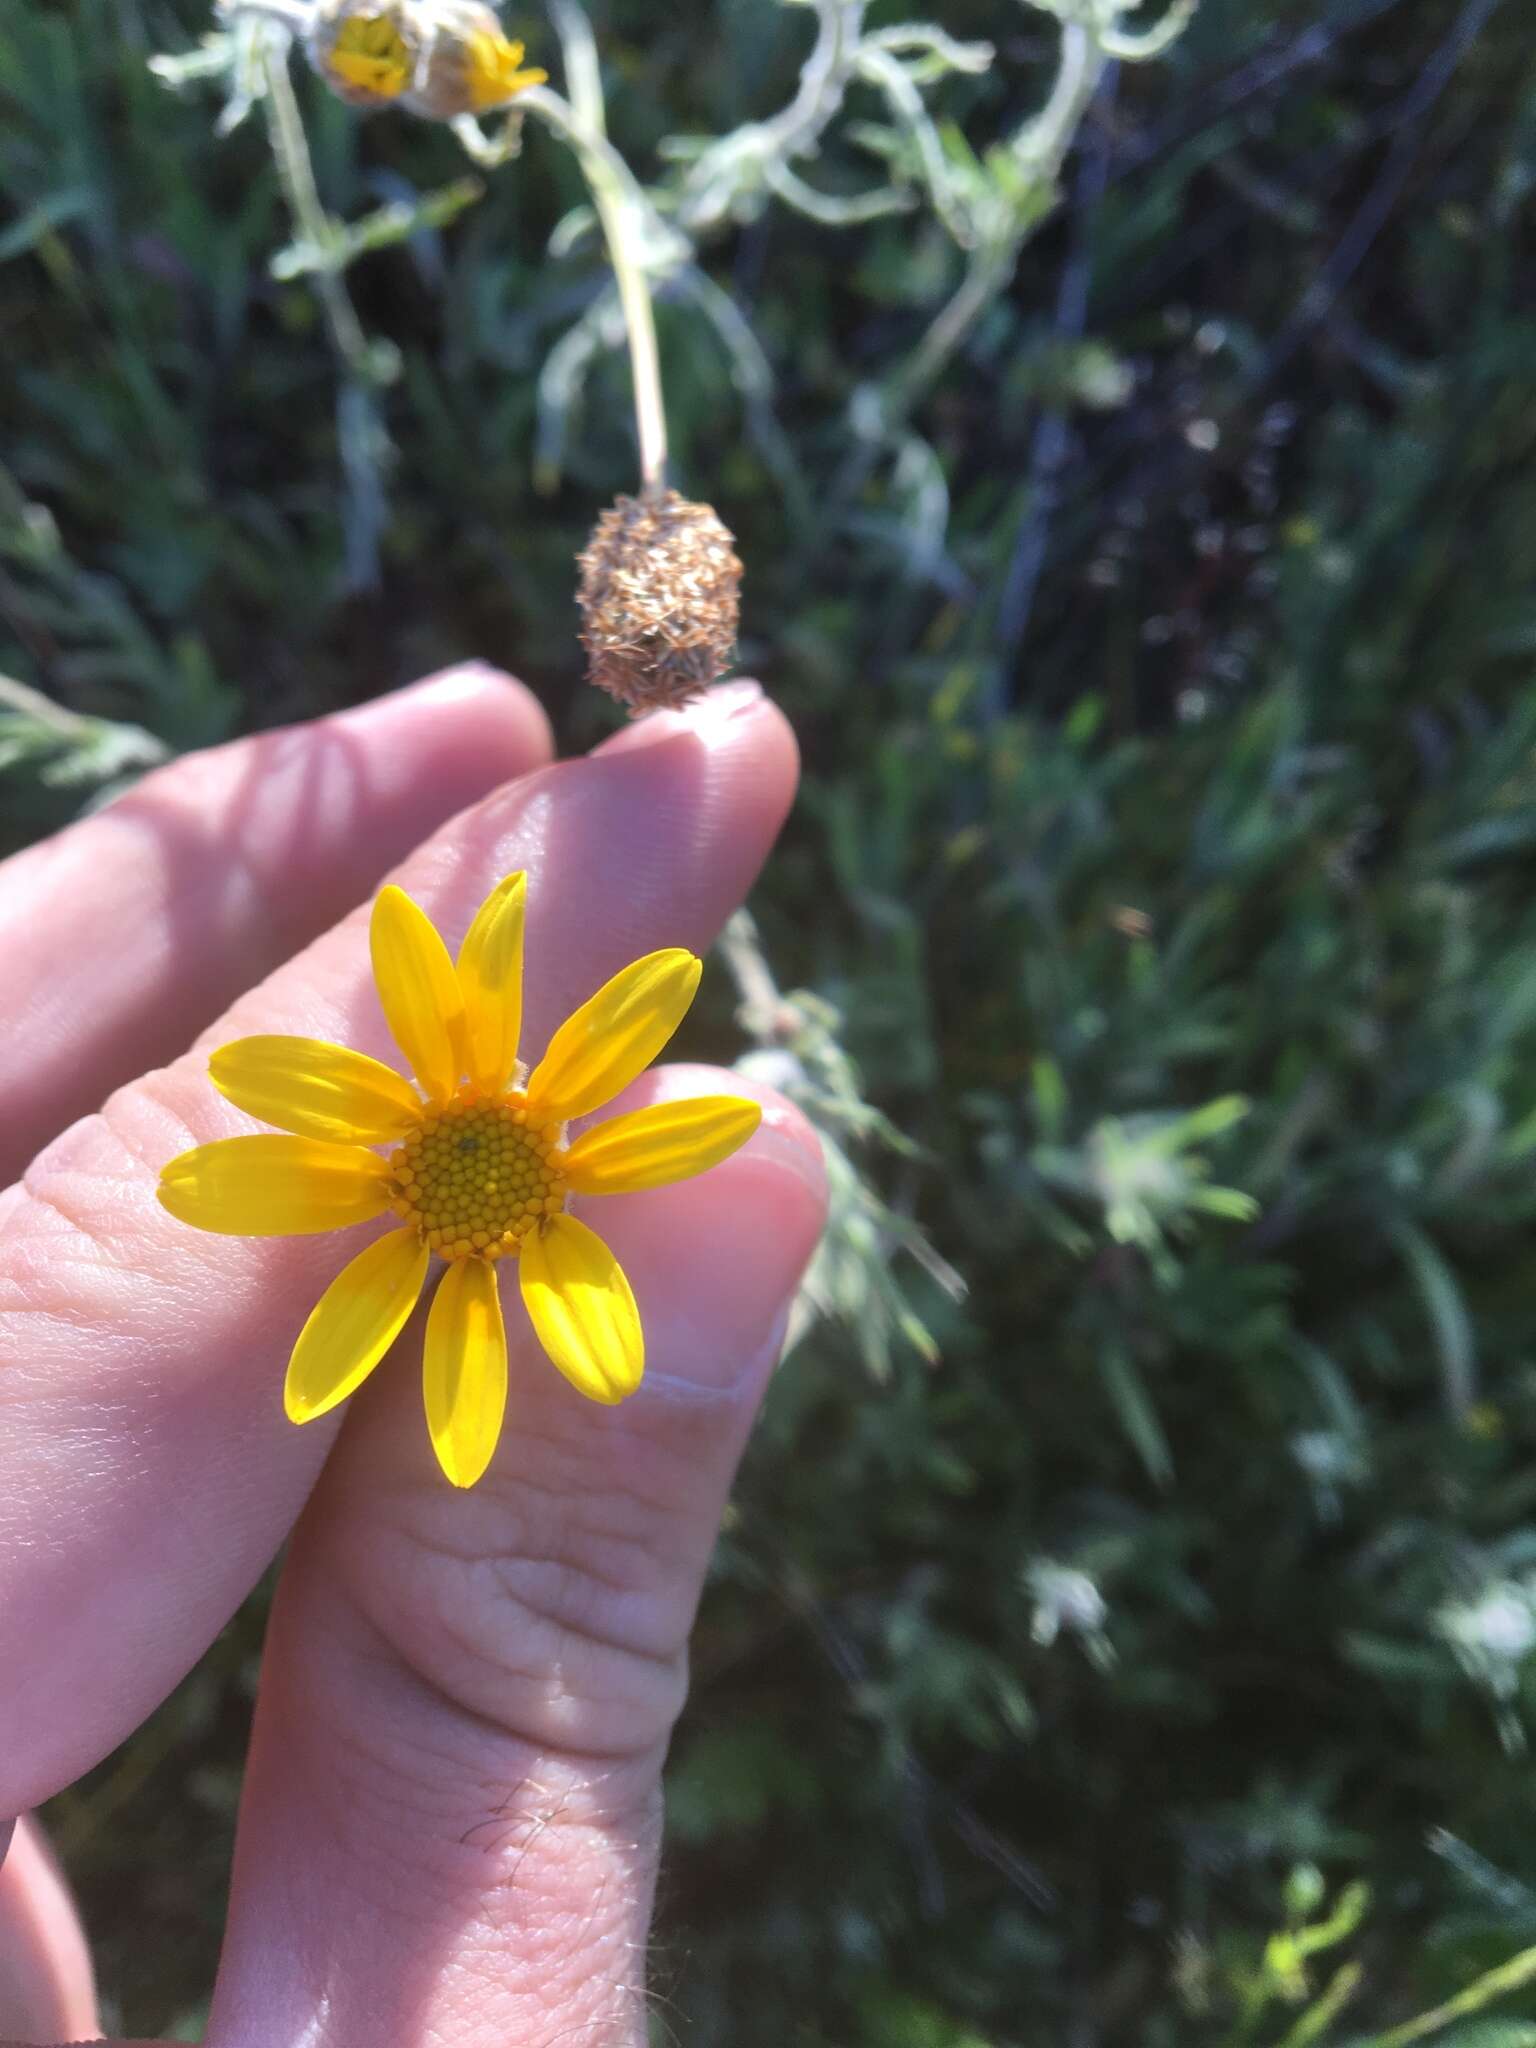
<point x="437" y="57"/>
<point x="479" y="1168"/>
<point x="369" y="59"/>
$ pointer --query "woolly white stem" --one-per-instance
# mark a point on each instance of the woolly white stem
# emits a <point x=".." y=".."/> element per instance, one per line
<point x="621" y="212"/>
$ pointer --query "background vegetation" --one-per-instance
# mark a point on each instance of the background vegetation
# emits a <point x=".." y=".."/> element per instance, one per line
<point x="1156" y="1666"/>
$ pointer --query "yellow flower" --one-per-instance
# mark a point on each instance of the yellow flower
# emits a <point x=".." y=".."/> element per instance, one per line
<point x="437" y="57"/>
<point x="369" y="60"/>
<point x="492" y="70"/>
<point x="475" y="1160"/>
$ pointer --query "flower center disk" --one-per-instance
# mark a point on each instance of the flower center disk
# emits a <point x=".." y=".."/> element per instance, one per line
<point x="477" y="1176"/>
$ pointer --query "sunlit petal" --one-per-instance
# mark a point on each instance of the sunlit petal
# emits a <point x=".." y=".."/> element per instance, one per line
<point x="649" y="1148"/>
<point x="614" y="1036"/>
<point x="354" y="1323"/>
<point x="315" y="1089"/>
<point x="582" y="1309"/>
<point x="274" y="1187"/>
<point x="464" y="1370"/>
<point x="494" y="76"/>
<point x="419" y="991"/>
<point x="490" y="971"/>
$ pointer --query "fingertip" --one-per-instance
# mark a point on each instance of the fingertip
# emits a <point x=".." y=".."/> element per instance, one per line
<point x="501" y="716"/>
<point x="628" y="847"/>
<point x="720" y="705"/>
<point x="715" y="1261"/>
<point x="749" y="743"/>
<point x="441" y="744"/>
<point x="784" y="1135"/>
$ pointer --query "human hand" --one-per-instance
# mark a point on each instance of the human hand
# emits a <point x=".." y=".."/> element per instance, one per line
<point x="450" y="1824"/>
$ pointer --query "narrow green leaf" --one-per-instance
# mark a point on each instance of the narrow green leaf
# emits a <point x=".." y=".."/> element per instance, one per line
<point x="1138" y="1418"/>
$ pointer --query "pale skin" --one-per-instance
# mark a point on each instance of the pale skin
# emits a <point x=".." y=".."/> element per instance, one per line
<point x="452" y="1816"/>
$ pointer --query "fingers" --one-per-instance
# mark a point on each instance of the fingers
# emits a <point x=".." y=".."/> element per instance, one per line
<point x="450" y="1822"/>
<point x="47" y="1992"/>
<point x="147" y="1472"/>
<point x="127" y="933"/>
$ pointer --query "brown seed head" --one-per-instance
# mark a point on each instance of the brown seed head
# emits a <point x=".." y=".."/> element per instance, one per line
<point x="660" y="597"/>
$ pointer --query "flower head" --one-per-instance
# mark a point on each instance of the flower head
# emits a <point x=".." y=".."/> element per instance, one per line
<point x="437" y="57"/>
<point x="660" y="600"/>
<point x="474" y="1160"/>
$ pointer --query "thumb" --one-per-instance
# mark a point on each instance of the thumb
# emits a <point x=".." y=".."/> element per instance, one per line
<point x="451" y="1820"/>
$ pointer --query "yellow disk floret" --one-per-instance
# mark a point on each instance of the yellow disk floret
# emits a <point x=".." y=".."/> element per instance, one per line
<point x="369" y="59"/>
<point x="477" y="1175"/>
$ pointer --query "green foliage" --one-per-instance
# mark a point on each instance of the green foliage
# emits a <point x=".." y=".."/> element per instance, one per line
<point x="1080" y="1652"/>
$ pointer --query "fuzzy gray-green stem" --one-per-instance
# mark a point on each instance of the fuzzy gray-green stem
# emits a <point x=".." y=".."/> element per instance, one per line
<point x="621" y="210"/>
<point x="290" y="153"/>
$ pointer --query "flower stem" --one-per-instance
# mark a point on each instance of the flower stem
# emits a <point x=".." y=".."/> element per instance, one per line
<point x="621" y="211"/>
<point x="290" y="153"/>
<point x="1511" y="1976"/>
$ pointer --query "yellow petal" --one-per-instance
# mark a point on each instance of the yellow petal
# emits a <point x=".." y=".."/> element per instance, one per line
<point x="464" y="1376"/>
<point x="493" y="70"/>
<point x="650" y="1147"/>
<point x="353" y="1324"/>
<point x="614" y="1036"/>
<point x="582" y="1309"/>
<point x="370" y="55"/>
<point x="318" y="1090"/>
<point x="274" y="1187"/>
<point x="419" y="991"/>
<point x="491" y="979"/>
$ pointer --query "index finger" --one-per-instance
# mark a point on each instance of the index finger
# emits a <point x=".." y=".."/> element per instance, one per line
<point x="126" y="933"/>
<point x="147" y="1473"/>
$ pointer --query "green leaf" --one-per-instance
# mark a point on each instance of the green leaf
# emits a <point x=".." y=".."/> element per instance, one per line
<point x="40" y="220"/>
<point x="1137" y="1416"/>
<point x="1452" y="1326"/>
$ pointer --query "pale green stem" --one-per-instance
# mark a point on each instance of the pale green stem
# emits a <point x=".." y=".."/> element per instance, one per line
<point x="290" y="152"/>
<point x="73" y="726"/>
<point x="736" y="161"/>
<point x="1510" y="1976"/>
<point x="823" y="81"/>
<point x="987" y="272"/>
<point x="763" y="1008"/>
<point x="30" y="703"/>
<point x="621" y="212"/>
<point x="1042" y="143"/>
<point x="1040" y="146"/>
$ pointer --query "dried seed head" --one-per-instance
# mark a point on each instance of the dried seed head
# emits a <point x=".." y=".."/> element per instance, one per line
<point x="660" y="598"/>
<point x="437" y="57"/>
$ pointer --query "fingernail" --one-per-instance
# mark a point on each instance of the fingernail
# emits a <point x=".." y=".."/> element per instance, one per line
<point x="705" y="715"/>
<point x="707" y="1377"/>
<point x="782" y="1138"/>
